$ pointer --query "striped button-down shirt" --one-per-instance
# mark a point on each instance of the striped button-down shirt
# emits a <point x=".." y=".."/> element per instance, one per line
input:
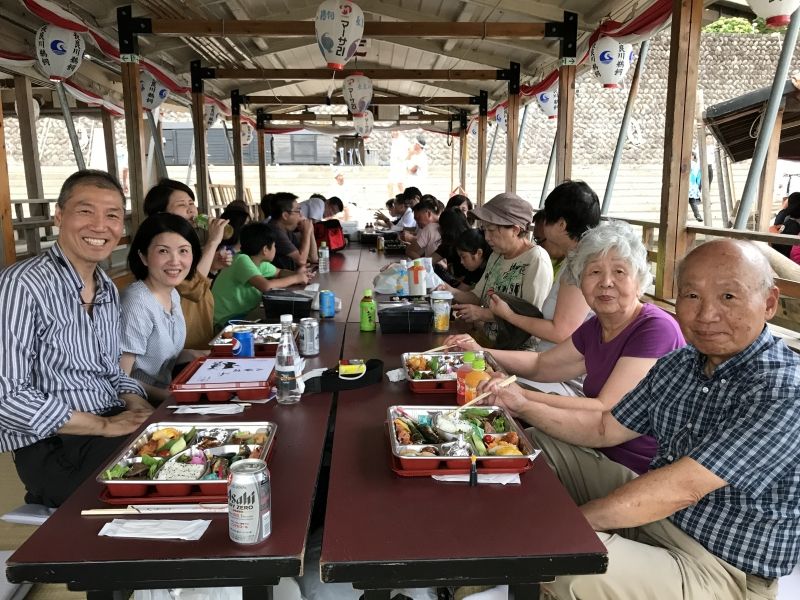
<point x="56" y="358"/>
<point x="742" y="424"/>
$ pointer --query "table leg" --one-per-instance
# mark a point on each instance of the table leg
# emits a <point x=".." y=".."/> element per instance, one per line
<point x="523" y="591"/>
<point x="376" y="594"/>
<point x="257" y="592"/>
<point x="108" y="594"/>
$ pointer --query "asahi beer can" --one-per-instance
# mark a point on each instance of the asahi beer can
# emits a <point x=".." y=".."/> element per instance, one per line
<point x="309" y="337"/>
<point x="249" y="501"/>
<point x="327" y="304"/>
<point x="243" y="344"/>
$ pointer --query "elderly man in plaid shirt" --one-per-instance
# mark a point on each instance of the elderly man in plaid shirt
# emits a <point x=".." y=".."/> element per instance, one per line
<point x="718" y="513"/>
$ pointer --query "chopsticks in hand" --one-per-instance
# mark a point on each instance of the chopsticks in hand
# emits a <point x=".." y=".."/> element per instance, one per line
<point x="504" y="383"/>
<point x="440" y="348"/>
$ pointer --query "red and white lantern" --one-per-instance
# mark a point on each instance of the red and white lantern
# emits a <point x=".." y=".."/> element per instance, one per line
<point x="339" y="25"/>
<point x="363" y="123"/>
<point x="247" y="133"/>
<point x="548" y="101"/>
<point x="154" y="93"/>
<point x="610" y="61"/>
<point x="776" y="13"/>
<point x="357" y="92"/>
<point x="211" y="115"/>
<point x="59" y="51"/>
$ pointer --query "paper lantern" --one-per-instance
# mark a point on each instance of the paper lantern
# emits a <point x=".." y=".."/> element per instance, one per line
<point x="501" y="118"/>
<point x="59" y="51"/>
<point x="363" y="123"/>
<point x="339" y="25"/>
<point x="473" y="127"/>
<point x="211" y="115"/>
<point x="357" y="92"/>
<point x="36" y="109"/>
<point x="548" y="101"/>
<point x="610" y="61"/>
<point x="153" y="91"/>
<point x="776" y="13"/>
<point x="247" y="133"/>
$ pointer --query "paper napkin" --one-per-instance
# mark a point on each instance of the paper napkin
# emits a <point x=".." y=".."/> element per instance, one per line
<point x="501" y="478"/>
<point x="155" y="529"/>
<point x="396" y="375"/>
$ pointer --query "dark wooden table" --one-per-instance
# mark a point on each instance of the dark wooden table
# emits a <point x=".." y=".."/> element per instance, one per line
<point x="383" y="531"/>
<point x="67" y="549"/>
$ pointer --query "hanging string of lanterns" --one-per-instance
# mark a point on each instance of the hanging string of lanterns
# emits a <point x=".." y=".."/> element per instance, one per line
<point x="339" y="25"/>
<point x="610" y="61"/>
<point x="59" y="51"/>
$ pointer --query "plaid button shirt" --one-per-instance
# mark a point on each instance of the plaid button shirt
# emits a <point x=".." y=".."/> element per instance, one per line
<point x="742" y="424"/>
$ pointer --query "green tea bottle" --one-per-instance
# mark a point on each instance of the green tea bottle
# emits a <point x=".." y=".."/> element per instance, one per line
<point x="369" y="311"/>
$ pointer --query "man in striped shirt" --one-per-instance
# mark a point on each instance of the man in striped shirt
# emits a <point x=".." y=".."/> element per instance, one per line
<point x="718" y="513"/>
<point x="65" y="403"/>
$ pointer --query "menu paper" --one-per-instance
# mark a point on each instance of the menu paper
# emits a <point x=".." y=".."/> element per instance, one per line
<point x="233" y="370"/>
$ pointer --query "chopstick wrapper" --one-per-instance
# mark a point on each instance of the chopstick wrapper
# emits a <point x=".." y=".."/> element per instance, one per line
<point x="155" y="529"/>
<point x="222" y="409"/>
<point x="501" y="478"/>
<point x="396" y="375"/>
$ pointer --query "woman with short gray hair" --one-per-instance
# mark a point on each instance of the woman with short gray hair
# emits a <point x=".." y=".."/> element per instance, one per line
<point x="614" y="349"/>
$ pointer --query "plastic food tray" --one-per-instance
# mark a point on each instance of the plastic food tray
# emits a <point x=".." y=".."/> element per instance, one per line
<point x="184" y="392"/>
<point x="194" y="490"/>
<point x="431" y="386"/>
<point x="418" y="466"/>
<point x="266" y="337"/>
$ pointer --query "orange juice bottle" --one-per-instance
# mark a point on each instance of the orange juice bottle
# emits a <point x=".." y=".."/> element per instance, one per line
<point x="461" y="372"/>
<point x="473" y="378"/>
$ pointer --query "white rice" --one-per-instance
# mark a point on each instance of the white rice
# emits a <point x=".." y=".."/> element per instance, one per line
<point x="178" y="471"/>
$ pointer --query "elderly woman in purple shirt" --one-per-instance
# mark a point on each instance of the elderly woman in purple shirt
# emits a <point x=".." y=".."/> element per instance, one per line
<point x="614" y="349"/>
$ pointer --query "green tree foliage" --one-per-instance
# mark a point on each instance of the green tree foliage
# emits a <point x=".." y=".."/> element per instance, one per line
<point x="729" y="25"/>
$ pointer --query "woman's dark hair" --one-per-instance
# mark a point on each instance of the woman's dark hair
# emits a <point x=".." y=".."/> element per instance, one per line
<point x="157" y="198"/>
<point x="452" y="225"/>
<point x="237" y="214"/>
<point x="268" y="200"/>
<point x="151" y="227"/>
<point x="471" y="241"/>
<point x="254" y="236"/>
<point x="428" y="204"/>
<point x="390" y="203"/>
<point x="793" y="205"/>
<point x="89" y="177"/>
<point x="577" y="204"/>
<point x="458" y="200"/>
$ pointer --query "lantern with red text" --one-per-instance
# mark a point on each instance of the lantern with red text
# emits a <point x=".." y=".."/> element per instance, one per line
<point x="339" y="25"/>
<point x="59" y="51"/>
<point x="357" y="92"/>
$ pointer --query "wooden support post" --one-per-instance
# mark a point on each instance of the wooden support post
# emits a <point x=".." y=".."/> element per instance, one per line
<point x="110" y="141"/>
<point x="512" y="128"/>
<point x="480" y="196"/>
<point x="463" y="153"/>
<point x="30" y="157"/>
<point x="767" y="182"/>
<point x="705" y="184"/>
<point x="687" y="17"/>
<point x="236" y="143"/>
<point x="566" y="117"/>
<point x="262" y="165"/>
<point x="200" y="149"/>
<point x="9" y="254"/>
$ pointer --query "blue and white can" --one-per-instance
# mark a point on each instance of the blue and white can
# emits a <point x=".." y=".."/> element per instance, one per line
<point x="243" y="344"/>
<point x="327" y="304"/>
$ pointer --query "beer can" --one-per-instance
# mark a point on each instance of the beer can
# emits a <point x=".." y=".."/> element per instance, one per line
<point x="249" y="501"/>
<point x="327" y="304"/>
<point x="309" y="337"/>
<point x="243" y="344"/>
<point x="379" y="243"/>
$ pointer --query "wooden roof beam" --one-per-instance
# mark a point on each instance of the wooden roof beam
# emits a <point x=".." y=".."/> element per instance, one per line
<point x="374" y="74"/>
<point x="266" y="118"/>
<point x="322" y="99"/>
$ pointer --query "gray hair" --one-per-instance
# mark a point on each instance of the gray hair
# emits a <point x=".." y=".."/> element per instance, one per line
<point x="599" y="241"/>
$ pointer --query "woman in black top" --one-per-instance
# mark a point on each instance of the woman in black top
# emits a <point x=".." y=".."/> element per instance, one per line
<point x="465" y="251"/>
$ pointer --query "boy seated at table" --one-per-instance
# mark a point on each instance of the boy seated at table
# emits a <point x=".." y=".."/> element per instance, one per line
<point x="237" y="289"/>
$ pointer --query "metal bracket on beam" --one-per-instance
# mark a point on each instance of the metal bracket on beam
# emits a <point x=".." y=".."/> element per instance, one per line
<point x="513" y="80"/>
<point x="569" y="37"/>
<point x="236" y="102"/>
<point x="129" y="28"/>
<point x="462" y="117"/>
<point x="483" y="104"/>
<point x="262" y="118"/>
<point x="199" y="73"/>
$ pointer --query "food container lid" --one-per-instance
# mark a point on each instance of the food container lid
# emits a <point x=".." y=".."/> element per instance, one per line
<point x="441" y="295"/>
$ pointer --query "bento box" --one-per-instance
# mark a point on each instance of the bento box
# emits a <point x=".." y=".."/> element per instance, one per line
<point x="220" y="378"/>
<point x="432" y="372"/>
<point x="266" y="337"/>
<point x="172" y="460"/>
<point x="427" y="440"/>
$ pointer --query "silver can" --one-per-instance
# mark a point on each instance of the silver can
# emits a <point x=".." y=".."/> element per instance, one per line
<point x="309" y="337"/>
<point x="249" y="502"/>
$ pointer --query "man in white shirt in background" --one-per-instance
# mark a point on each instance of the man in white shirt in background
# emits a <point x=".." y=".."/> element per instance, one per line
<point x="426" y="214"/>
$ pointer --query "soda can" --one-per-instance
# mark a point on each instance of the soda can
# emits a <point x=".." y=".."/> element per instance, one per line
<point x="327" y="304"/>
<point x="249" y="501"/>
<point x="243" y="344"/>
<point x="309" y="337"/>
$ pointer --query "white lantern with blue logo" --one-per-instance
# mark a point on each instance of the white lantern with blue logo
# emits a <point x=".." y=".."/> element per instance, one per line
<point x="339" y="25"/>
<point x="501" y="118"/>
<point x="247" y="133"/>
<point x="610" y="61"/>
<point x="363" y="123"/>
<point x="548" y="101"/>
<point x="776" y="13"/>
<point x="59" y="51"/>
<point x="357" y="92"/>
<point x="211" y="115"/>
<point x="153" y="91"/>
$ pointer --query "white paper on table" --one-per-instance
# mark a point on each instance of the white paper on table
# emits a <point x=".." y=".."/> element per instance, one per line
<point x="501" y="478"/>
<point x="396" y="375"/>
<point x="222" y="409"/>
<point x="233" y="370"/>
<point x="155" y="529"/>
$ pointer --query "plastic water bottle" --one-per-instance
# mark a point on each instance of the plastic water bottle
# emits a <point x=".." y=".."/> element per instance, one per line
<point x="288" y="365"/>
<point x="402" y="279"/>
<point x="324" y="258"/>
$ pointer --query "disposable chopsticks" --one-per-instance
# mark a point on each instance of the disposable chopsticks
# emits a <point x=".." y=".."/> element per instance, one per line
<point x="504" y="383"/>
<point x="156" y="509"/>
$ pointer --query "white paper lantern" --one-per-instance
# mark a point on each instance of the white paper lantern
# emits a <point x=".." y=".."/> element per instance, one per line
<point x="610" y="61"/>
<point x="59" y="51"/>
<point x="548" y="101"/>
<point x="36" y="109"/>
<point x="153" y="91"/>
<point x="363" y="123"/>
<point x="357" y="92"/>
<point x="473" y="127"/>
<point x="339" y="25"/>
<point x="776" y="13"/>
<point x="211" y="115"/>
<point x="501" y="118"/>
<point x="247" y="133"/>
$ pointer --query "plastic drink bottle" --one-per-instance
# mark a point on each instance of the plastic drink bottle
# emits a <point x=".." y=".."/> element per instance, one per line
<point x="202" y="221"/>
<point x="288" y="365"/>
<point x="369" y="311"/>
<point x="402" y="279"/>
<point x="461" y="372"/>
<point x="416" y="279"/>
<point x="473" y="378"/>
<point x="324" y="258"/>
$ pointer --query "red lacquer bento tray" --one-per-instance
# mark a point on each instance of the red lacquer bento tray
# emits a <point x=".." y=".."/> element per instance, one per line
<point x="185" y="392"/>
<point x="155" y="498"/>
<point x="394" y="462"/>
<point x="266" y="337"/>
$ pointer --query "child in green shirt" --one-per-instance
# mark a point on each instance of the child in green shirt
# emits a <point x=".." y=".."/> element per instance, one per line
<point x="237" y="290"/>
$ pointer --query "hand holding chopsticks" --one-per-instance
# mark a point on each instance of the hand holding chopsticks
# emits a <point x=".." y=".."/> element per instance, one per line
<point x="504" y="383"/>
<point x="440" y="348"/>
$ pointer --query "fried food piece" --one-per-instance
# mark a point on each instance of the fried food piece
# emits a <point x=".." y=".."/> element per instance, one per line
<point x="512" y="438"/>
<point x="402" y="432"/>
<point x="167" y="433"/>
